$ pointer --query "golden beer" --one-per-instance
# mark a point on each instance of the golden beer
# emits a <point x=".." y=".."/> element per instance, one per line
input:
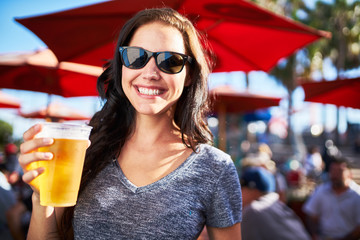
<point x="36" y="182"/>
<point x="59" y="183"/>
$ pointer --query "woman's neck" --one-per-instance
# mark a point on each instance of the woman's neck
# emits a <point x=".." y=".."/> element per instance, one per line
<point x="153" y="130"/>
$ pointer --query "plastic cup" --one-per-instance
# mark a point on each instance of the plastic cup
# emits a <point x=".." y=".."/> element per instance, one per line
<point x="59" y="183"/>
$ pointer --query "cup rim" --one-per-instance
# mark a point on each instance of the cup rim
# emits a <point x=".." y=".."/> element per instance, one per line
<point x="66" y="124"/>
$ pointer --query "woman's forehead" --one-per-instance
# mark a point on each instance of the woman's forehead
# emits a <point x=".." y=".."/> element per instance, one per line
<point x="157" y="36"/>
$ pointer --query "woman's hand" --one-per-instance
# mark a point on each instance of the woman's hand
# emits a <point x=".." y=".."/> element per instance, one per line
<point x="43" y="224"/>
<point x="29" y="156"/>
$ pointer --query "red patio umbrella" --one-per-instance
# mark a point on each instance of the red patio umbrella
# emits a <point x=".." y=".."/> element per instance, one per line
<point x="341" y="92"/>
<point x="227" y="100"/>
<point x="7" y="101"/>
<point x="56" y="112"/>
<point x="40" y="71"/>
<point x="244" y="36"/>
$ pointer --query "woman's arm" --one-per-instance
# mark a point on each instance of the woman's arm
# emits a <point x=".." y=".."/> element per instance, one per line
<point x="228" y="233"/>
<point x="44" y="221"/>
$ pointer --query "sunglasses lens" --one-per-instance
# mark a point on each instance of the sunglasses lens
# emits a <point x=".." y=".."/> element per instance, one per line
<point x="134" y="58"/>
<point x="170" y="62"/>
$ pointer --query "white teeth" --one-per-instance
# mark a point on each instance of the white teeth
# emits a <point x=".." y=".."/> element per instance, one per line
<point x="150" y="92"/>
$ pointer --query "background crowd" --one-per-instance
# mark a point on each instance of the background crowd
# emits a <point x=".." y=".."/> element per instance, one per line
<point x="330" y="209"/>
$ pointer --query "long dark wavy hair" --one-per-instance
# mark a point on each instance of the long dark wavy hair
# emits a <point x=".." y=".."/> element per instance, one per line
<point x="114" y="123"/>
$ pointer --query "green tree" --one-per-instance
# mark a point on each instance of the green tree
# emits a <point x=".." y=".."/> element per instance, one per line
<point x="287" y="71"/>
<point x="6" y="131"/>
<point x="341" y="18"/>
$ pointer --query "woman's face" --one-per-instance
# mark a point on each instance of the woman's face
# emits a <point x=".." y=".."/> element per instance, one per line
<point x="151" y="91"/>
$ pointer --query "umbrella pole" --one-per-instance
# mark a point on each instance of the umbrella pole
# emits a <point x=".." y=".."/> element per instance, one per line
<point x="222" y="127"/>
<point x="247" y="80"/>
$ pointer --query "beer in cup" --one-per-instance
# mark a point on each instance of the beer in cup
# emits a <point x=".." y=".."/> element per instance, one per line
<point x="59" y="183"/>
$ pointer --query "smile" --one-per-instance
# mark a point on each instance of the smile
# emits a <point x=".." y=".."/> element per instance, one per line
<point x="149" y="91"/>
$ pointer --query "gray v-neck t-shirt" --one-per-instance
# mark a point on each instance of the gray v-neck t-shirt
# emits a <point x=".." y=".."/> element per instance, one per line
<point x="203" y="190"/>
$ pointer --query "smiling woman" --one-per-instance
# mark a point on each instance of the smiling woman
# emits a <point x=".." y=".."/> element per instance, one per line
<point x="151" y="170"/>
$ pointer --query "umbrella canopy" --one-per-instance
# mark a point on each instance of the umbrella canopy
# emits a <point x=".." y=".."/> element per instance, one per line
<point x="7" y="101"/>
<point x="56" y="112"/>
<point x="341" y="92"/>
<point x="244" y="36"/>
<point x="40" y="71"/>
<point x="225" y="98"/>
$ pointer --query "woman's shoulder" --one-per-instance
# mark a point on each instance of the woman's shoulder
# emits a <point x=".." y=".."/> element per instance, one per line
<point x="211" y="152"/>
<point x="212" y="157"/>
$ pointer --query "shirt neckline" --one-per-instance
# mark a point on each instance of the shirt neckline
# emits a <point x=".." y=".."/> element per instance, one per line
<point x="135" y="189"/>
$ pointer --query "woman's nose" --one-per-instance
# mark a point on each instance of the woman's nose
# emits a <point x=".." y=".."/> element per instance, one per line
<point x="150" y="70"/>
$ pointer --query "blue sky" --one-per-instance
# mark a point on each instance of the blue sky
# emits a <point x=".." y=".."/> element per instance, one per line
<point x="15" y="37"/>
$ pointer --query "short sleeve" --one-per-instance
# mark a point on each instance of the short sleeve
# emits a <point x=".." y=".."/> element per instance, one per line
<point x="225" y="207"/>
<point x="311" y="206"/>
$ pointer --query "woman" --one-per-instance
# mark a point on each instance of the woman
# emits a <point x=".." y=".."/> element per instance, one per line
<point x="150" y="172"/>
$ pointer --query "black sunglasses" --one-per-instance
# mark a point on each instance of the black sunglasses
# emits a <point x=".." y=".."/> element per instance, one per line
<point x="167" y="62"/>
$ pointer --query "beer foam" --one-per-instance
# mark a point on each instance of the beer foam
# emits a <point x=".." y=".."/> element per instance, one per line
<point x="64" y="131"/>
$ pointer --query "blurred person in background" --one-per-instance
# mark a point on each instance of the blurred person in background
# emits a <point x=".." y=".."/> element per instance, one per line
<point x="314" y="164"/>
<point x="264" y="215"/>
<point x="333" y="210"/>
<point x="7" y="199"/>
<point x="330" y="151"/>
<point x="357" y="145"/>
<point x="15" y="197"/>
<point x="262" y="158"/>
<point x="11" y="163"/>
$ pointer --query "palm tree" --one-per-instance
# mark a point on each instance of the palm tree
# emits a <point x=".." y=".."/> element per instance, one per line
<point x="286" y="72"/>
<point x="341" y="18"/>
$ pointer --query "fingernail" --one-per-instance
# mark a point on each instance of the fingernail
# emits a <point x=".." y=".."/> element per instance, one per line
<point x="40" y="170"/>
<point x="48" y="140"/>
<point x="48" y="155"/>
